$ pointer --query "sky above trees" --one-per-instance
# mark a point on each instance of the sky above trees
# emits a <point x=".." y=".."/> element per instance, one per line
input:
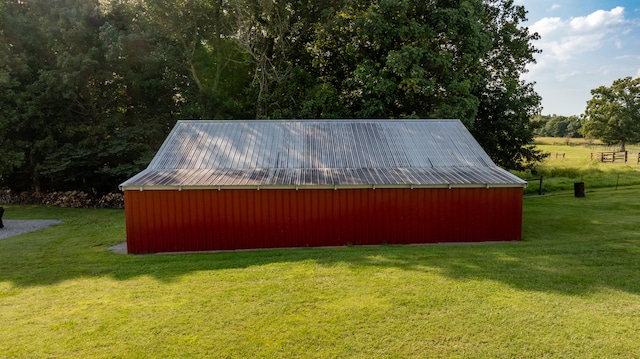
<point x="585" y="44"/>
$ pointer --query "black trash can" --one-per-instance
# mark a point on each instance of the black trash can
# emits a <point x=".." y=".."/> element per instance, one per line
<point x="578" y="189"/>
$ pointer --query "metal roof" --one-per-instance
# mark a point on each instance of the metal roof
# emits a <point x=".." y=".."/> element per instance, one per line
<point x="320" y="153"/>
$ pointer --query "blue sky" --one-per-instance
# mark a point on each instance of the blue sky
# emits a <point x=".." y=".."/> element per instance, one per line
<point x="585" y="44"/>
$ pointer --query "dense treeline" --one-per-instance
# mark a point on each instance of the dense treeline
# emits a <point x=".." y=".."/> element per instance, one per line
<point x="558" y="126"/>
<point x="90" y="88"/>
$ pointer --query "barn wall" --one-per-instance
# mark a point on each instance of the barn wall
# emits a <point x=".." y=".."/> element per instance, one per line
<point x="199" y="220"/>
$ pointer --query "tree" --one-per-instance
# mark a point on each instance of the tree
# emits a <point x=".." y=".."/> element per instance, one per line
<point x="431" y="59"/>
<point x="79" y="89"/>
<point x="503" y="124"/>
<point x="558" y="126"/>
<point x="203" y="57"/>
<point x="397" y="58"/>
<point x="12" y="65"/>
<point x="90" y="88"/>
<point x="49" y="51"/>
<point x="613" y="113"/>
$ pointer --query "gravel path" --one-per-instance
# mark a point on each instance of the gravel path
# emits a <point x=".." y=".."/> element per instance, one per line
<point x="14" y="227"/>
<point x="119" y="248"/>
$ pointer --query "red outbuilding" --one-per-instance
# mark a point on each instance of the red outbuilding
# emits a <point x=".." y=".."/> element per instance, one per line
<point x="224" y="185"/>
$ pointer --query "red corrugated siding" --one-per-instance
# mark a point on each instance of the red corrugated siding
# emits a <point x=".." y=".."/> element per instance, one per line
<point x="199" y="220"/>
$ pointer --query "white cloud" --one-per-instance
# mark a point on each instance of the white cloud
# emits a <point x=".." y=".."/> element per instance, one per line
<point x="628" y="57"/>
<point x="561" y="40"/>
<point x="598" y="20"/>
<point x="547" y="26"/>
<point x="554" y="7"/>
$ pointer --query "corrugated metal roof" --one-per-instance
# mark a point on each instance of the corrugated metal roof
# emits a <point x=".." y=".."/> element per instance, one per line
<point x="332" y="153"/>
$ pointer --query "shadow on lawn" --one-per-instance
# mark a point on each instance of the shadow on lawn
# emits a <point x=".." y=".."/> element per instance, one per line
<point x="526" y="266"/>
<point x="575" y="255"/>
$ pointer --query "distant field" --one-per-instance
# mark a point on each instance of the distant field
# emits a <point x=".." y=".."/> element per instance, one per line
<point x="591" y="145"/>
<point x="570" y="161"/>
<point x="570" y="289"/>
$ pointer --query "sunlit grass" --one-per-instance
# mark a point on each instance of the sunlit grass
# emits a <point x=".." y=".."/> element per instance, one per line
<point x="570" y="161"/>
<point x="570" y="289"/>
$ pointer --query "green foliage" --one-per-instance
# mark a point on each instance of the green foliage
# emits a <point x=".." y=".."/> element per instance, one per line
<point x="91" y="88"/>
<point x="503" y="124"/>
<point x="80" y="89"/>
<point x="394" y="59"/>
<point x="94" y="89"/>
<point x="559" y="126"/>
<point x="613" y="114"/>
<point x="505" y="134"/>
<point x="398" y="58"/>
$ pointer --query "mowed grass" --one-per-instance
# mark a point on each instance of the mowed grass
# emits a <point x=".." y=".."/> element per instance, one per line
<point x="570" y="289"/>
<point x="570" y="161"/>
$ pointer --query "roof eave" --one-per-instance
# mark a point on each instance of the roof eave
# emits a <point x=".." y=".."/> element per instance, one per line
<point x="321" y="186"/>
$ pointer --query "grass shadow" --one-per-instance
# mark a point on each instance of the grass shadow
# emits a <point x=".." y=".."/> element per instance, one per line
<point x="572" y="246"/>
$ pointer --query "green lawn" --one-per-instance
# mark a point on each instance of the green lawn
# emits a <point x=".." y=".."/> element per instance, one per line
<point x="571" y="289"/>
